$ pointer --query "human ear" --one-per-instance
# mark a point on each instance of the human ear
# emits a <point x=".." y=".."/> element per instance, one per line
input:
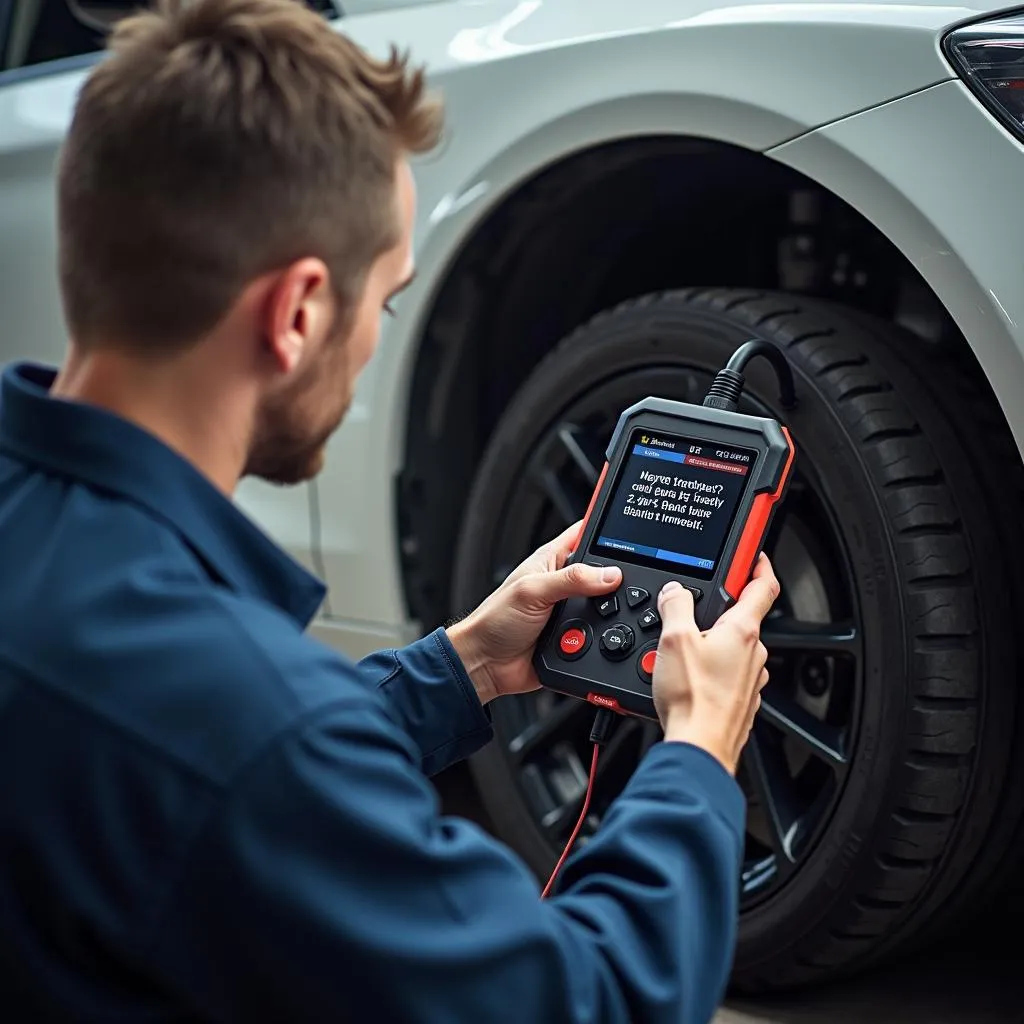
<point x="298" y="312"/>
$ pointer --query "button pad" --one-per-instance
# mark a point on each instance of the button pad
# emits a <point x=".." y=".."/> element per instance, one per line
<point x="617" y="641"/>
<point x="574" y="639"/>
<point x="631" y="637"/>
<point x="649" y="620"/>
<point x="645" y="664"/>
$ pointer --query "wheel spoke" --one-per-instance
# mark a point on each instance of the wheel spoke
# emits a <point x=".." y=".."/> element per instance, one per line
<point x="821" y="739"/>
<point x="785" y="634"/>
<point x="551" y="484"/>
<point x="650" y="733"/>
<point x="622" y="738"/>
<point x="567" y="436"/>
<point x="768" y="776"/>
<point x="540" y="733"/>
<point x="562" y="817"/>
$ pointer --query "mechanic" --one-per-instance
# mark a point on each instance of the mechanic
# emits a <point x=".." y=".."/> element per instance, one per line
<point x="206" y="814"/>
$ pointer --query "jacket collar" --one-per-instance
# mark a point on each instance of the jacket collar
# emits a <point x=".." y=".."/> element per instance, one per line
<point x="107" y="453"/>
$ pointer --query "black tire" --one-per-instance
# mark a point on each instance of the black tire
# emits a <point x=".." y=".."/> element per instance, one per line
<point x="905" y="454"/>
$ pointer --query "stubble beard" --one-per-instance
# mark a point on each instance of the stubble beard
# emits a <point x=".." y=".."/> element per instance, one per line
<point x="285" y="452"/>
<point x="289" y="442"/>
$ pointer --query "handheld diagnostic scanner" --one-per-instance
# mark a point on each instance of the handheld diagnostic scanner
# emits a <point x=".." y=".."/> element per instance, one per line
<point x="687" y="493"/>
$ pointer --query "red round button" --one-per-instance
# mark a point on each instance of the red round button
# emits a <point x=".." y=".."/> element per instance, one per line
<point x="572" y="641"/>
<point x="647" y="662"/>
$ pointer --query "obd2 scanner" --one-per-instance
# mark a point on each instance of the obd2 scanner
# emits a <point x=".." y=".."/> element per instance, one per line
<point x="688" y="492"/>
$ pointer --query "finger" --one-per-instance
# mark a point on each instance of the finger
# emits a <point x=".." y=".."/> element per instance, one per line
<point x="675" y="605"/>
<point x="530" y="682"/>
<point x="544" y="589"/>
<point x="551" y="555"/>
<point x="562" y="546"/>
<point x="752" y="710"/>
<point x="758" y="596"/>
<point x="748" y="720"/>
<point x="762" y="681"/>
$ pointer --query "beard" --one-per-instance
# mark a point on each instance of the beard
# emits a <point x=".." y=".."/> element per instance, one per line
<point x="294" y="425"/>
<point x="288" y="447"/>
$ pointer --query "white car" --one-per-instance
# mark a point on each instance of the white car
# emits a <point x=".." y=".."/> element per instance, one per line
<point x="625" y="192"/>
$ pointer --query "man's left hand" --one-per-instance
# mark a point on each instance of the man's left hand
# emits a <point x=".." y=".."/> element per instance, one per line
<point x="496" y="641"/>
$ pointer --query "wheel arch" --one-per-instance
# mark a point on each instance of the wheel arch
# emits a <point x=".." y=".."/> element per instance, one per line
<point x="457" y="213"/>
<point x="465" y="230"/>
<point x="471" y="252"/>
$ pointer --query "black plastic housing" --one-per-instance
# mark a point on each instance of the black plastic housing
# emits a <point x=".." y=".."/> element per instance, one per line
<point x="621" y="685"/>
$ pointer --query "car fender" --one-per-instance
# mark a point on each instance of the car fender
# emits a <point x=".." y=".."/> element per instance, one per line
<point x="943" y="197"/>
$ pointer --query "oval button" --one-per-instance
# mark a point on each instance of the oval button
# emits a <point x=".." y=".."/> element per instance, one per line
<point x="572" y="641"/>
<point x="647" y="662"/>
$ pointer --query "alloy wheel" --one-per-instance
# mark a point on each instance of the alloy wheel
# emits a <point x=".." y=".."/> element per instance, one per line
<point x="796" y="761"/>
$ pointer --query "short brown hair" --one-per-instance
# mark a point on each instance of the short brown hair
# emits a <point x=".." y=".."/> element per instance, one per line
<point x="222" y="139"/>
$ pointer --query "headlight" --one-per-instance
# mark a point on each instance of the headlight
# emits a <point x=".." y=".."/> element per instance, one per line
<point x="989" y="56"/>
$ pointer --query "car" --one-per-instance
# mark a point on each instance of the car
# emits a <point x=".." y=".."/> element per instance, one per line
<point x="623" y="194"/>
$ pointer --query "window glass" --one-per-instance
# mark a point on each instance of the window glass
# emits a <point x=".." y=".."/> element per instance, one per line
<point x="40" y="31"/>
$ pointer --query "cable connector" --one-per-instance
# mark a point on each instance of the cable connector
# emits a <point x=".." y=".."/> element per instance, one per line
<point x="603" y="727"/>
<point x="727" y="387"/>
<point x="725" y="391"/>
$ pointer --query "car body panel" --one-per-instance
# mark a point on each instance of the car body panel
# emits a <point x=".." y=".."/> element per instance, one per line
<point x="542" y="56"/>
<point x="554" y="105"/>
<point x="526" y="84"/>
<point x="971" y="253"/>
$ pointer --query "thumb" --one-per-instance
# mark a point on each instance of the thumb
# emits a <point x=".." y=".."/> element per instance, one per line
<point x="546" y="589"/>
<point x="675" y="603"/>
<point x="758" y="596"/>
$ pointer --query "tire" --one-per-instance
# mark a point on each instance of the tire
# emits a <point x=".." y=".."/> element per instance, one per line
<point x="902" y="451"/>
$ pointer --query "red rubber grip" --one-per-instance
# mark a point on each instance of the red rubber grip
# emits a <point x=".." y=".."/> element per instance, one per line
<point x="590" y="508"/>
<point x="754" y="530"/>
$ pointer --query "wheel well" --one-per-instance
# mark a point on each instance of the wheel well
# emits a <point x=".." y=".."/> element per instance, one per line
<point x="600" y="227"/>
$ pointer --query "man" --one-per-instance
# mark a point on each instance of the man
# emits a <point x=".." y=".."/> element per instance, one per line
<point x="206" y="815"/>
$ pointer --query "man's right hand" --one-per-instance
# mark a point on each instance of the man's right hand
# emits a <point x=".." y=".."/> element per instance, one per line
<point x="707" y="685"/>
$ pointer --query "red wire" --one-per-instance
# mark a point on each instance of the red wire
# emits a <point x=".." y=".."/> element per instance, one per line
<point x="579" y="824"/>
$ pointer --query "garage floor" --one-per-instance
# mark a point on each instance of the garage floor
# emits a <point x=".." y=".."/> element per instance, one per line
<point x="966" y="983"/>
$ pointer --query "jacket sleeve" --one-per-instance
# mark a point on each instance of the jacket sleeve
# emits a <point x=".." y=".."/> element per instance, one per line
<point x="328" y="886"/>
<point x="431" y="699"/>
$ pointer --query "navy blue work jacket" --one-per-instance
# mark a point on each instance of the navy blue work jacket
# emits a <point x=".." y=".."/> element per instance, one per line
<point x="206" y="815"/>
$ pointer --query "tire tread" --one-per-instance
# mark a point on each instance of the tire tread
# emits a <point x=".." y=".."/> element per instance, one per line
<point x="943" y="721"/>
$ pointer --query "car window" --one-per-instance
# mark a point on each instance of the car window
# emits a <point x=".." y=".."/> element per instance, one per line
<point x="39" y="31"/>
